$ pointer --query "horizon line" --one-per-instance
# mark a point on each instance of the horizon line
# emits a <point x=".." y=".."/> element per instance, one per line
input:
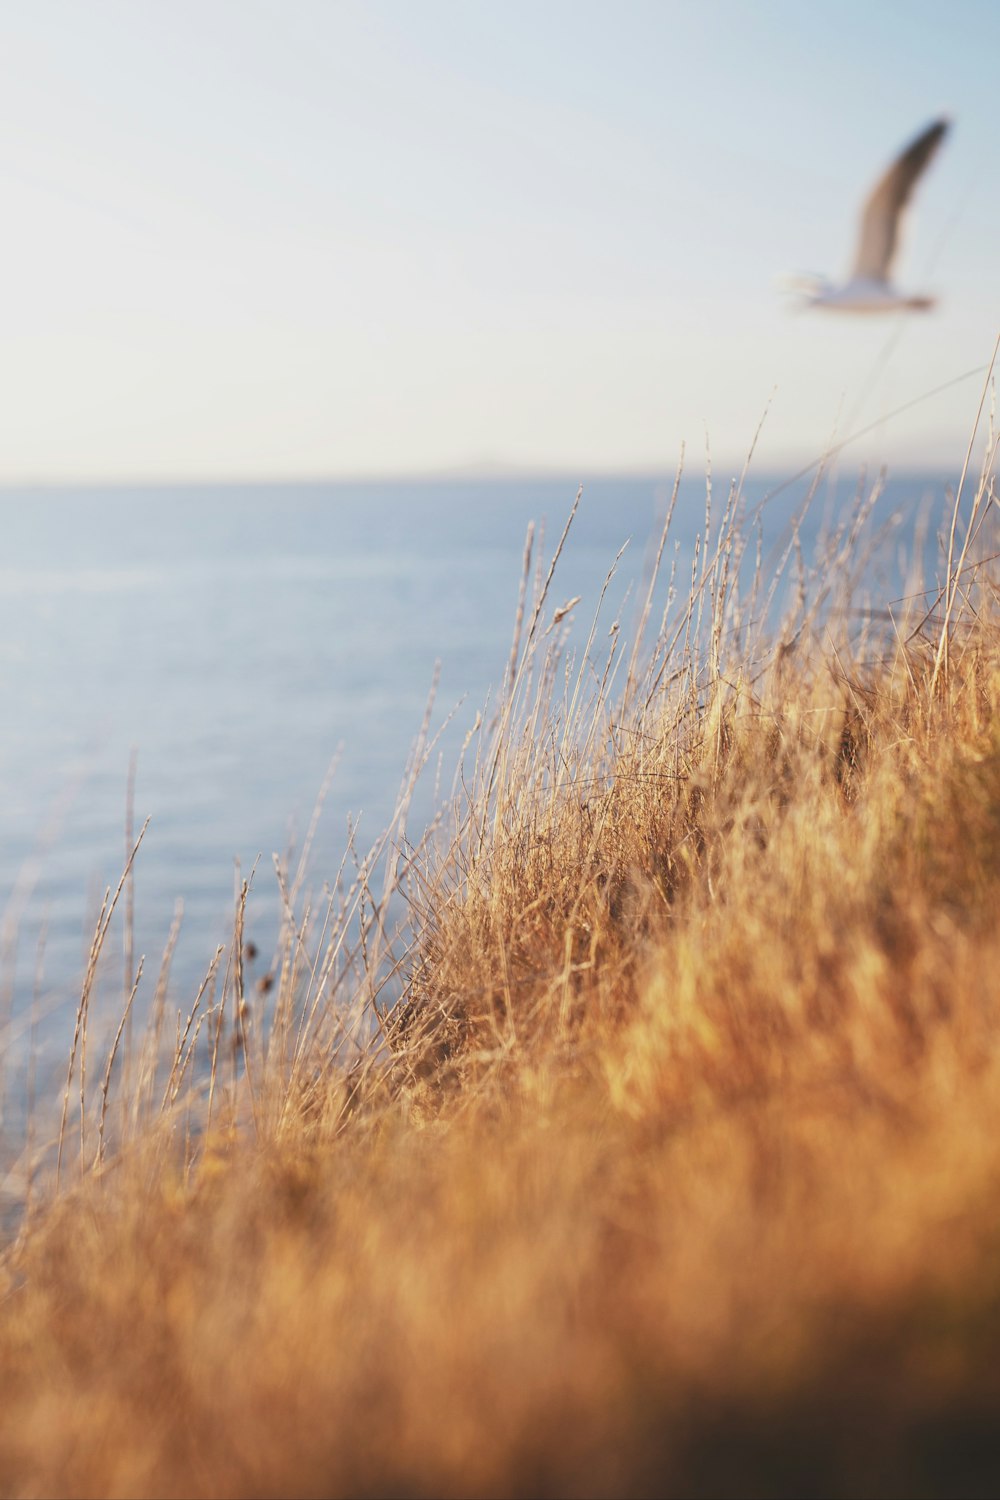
<point x="480" y="473"/>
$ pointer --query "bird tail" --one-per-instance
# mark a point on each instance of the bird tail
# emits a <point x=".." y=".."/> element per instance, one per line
<point x="801" y="281"/>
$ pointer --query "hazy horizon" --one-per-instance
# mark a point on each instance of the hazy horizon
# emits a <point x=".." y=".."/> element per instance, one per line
<point x="724" y="468"/>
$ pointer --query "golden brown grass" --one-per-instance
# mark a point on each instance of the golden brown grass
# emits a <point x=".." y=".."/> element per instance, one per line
<point x="656" y="1153"/>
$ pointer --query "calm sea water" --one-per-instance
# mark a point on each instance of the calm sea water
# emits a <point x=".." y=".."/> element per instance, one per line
<point x="233" y="638"/>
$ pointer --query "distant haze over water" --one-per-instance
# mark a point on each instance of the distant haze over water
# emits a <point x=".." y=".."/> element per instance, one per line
<point x="234" y="637"/>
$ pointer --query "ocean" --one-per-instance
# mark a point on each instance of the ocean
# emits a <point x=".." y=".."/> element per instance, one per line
<point x="231" y="640"/>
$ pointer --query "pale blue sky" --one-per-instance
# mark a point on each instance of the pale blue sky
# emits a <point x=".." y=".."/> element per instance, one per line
<point x="265" y="238"/>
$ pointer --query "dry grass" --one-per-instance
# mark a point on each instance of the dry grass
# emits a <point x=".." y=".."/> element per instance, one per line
<point x="655" y="1152"/>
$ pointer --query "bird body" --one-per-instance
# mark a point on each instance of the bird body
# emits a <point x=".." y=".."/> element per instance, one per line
<point x="864" y="294"/>
<point x="869" y="287"/>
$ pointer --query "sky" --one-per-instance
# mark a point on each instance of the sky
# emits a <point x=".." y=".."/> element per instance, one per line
<point x="260" y="239"/>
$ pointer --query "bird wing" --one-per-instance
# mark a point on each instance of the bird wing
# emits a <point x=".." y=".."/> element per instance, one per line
<point x="883" y="210"/>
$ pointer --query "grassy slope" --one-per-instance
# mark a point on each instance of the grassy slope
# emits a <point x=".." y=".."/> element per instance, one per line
<point x="678" y="1172"/>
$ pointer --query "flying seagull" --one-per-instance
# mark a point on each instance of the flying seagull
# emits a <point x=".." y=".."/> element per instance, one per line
<point x="869" y="287"/>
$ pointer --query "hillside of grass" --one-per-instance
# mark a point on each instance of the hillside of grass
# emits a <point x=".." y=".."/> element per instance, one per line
<point x="634" y="1130"/>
